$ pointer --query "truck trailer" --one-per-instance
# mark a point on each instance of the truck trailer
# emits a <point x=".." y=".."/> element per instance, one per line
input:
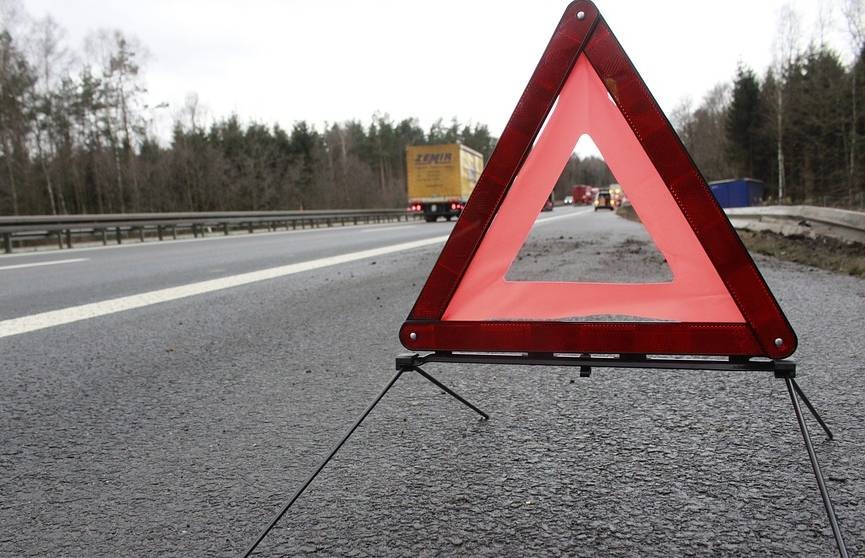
<point x="738" y="192"/>
<point x="440" y="178"/>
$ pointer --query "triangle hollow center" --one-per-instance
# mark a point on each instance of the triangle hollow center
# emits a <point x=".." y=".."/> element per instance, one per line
<point x="591" y="241"/>
<point x="696" y="292"/>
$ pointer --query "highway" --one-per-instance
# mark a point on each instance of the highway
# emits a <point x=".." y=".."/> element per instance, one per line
<point x="167" y="398"/>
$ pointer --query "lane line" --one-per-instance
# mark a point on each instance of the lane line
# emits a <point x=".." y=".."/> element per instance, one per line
<point x="559" y="217"/>
<point x="39" y="264"/>
<point x="44" y="320"/>
<point x="25" y="324"/>
<point x="390" y="228"/>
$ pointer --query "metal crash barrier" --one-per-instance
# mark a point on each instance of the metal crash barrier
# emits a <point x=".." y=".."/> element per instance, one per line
<point x="65" y="230"/>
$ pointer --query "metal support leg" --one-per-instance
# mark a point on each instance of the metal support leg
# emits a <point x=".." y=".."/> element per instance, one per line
<point x="450" y="392"/>
<point x="812" y="409"/>
<point x="323" y="463"/>
<point x="305" y="485"/>
<point x="818" y="474"/>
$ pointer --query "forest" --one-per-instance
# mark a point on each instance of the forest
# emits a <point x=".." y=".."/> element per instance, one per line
<point x="799" y="126"/>
<point x="77" y="135"/>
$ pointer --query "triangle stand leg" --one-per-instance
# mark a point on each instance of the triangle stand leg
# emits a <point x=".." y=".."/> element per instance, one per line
<point x="451" y="392"/>
<point x="793" y="389"/>
<point x="321" y="466"/>
<point x="406" y="365"/>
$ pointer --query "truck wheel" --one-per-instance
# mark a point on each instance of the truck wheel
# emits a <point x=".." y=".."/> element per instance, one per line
<point x="448" y="218"/>
<point x="430" y="218"/>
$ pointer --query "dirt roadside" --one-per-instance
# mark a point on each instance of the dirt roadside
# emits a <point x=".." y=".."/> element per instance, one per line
<point x="825" y="253"/>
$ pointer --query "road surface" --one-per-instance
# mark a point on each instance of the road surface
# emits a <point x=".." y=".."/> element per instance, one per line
<point x="166" y="399"/>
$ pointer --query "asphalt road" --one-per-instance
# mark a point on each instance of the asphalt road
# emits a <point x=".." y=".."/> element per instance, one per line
<point x="179" y="426"/>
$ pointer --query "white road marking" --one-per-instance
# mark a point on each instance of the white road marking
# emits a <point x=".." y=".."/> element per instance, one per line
<point x="38" y="264"/>
<point x="389" y="228"/>
<point x="546" y="220"/>
<point x="25" y="324"/>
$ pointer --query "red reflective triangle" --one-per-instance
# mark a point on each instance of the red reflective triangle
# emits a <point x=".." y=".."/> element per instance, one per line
<point x="717" y="302"/>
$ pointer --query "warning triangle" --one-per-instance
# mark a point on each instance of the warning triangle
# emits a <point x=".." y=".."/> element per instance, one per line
<point x="716" y="304"/>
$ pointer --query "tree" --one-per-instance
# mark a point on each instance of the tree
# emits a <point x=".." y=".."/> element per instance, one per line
<point x="854" y="14"/>
<point x="51" y="59"/>
<point x="16" y="85"/>
<point x="745" y="122"/>
<point x="703" y="132"/>
<point x="785" y="49"/>
<point x="117" y="57"/>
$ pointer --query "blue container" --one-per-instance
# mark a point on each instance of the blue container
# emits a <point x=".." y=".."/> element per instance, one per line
<point x="739" y="192"/>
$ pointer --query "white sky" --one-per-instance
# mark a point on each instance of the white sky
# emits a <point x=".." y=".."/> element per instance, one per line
<point x="319" y="60"/>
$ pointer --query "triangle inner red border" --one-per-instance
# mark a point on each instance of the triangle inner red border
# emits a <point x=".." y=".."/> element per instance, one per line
<point x="696" y="292"/>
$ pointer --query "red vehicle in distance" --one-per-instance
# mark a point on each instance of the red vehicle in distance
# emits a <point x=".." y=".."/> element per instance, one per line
<point x="582" y="194"/>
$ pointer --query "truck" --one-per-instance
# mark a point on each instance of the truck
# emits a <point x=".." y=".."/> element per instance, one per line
<point x="440" y="178"/>
<point x="582" y="194"/>
<point x="738" y="192"/>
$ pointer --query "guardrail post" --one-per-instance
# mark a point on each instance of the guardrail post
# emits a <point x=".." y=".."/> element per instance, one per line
<point x="69" y="238"/>
<point x="194" y="230"/>
<point x="141" y="233"/>
<point x="251" y="227"/>
<point x="119" y="237"/>
<point x="159" y="232"/>
<point x="174" y="232"/>
<point x="60" y="239"/>
<point x="104" y="234"/>
<point x="7" y="242"/>
<point x="225" y="228"/>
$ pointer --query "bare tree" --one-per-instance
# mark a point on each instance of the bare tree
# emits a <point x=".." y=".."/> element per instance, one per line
<point x="785" y="49"/>
<point x="824" y="22"/>
<point x="50" y="59"/>
<point x="119" y="60"/>
<point x="854" y="14"/>
<point x="12" y="17"/>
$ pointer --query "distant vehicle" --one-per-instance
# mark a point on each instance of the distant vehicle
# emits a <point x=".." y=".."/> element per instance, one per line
<point x="617" y="195"/>
<point x="569" y="200"/>
<point x="440" y="178"/>
<point x="604" y="200"/>
<point x="739" y="192"/>
<point x="582" y="194"/>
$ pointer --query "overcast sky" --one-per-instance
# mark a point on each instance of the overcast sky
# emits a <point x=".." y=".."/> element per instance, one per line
<point x="318" y="60"/>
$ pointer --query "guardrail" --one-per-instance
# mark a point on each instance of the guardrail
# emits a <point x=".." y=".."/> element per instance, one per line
<point x="805" y="220"/>
<point x="16" y="230"/>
